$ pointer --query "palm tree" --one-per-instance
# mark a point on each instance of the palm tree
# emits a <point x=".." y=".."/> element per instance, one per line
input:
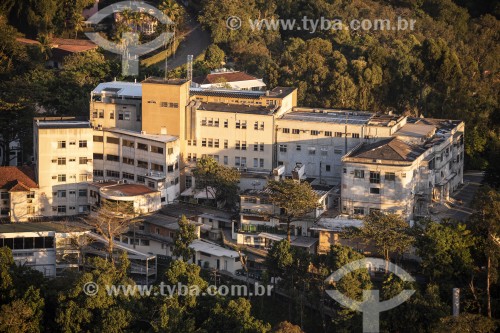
<point x="171" y="9"/>
<point x="45" y="45"/>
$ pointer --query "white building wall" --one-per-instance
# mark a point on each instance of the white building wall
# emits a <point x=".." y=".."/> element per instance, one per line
<point x="166" y="181"/>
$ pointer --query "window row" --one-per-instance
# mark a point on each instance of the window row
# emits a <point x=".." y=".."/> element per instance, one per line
<point x="239" y="124"/>
<point x="215" y="143"/>
<point x="166" y="104"/>
<point x="81" y="144"/>
<point x="61" y="178"/>
<point x="140" y="163"/>
<point x="82" y="193"/>
<point x="283" y="148"/>
<point x="316" y="133"/>
<point x="71" y="209"/>
<point x="375" y="176"/>
<point x="62" y="160"/>
<point x="359" y="210"/>
<point x="128" y="176"/>
<point x="131" y="144"/>
<point x="239" y="161"/>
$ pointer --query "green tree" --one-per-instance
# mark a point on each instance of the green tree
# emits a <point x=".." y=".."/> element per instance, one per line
<point x="287" y="327"/>
<point x="13" y="56"/>
<point x="234" y="316"/>
<point x="79" y="312"/>
<point x="219" y="182"/>
<point x="485" y="225"/>
<point x="214" y="57"/>
<point x="294" y="199"/>
<point x="178" y="313"/>
<point x="21" y="304"/>
<point x="466" y="322"/>
<point x="23" y="315"/>
<point x="183" y="238"/>
<point x="445" y="249"/>
<point x="6" y="264"/>
<point x="351" y="285"/>
<point x="422" y="309"/>
<point x="389" y="232"/>
<point x="172" y="10"/>
<point x="111" y="219"/>
<point x="279" y="258"/>
<point x="214" y="16"/>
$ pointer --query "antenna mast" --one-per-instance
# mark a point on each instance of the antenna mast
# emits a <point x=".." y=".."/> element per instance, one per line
<point x="190" y="68"/>
<point x="166" y="59"/>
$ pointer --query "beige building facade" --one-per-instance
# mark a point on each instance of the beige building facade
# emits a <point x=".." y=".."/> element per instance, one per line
<point x="151" y="160"/>
<point x="63" y="153"/>
<point x="152" y="133"/>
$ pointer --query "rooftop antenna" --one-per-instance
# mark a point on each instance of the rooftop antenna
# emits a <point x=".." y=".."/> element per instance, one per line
<point x="190" y="68"/>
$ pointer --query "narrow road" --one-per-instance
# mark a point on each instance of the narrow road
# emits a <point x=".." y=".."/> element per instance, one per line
<point x="196" y="41"/>
<point x="461" y="212"/>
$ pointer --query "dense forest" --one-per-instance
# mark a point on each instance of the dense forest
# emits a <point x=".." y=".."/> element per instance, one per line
<point x="447" y="67"/>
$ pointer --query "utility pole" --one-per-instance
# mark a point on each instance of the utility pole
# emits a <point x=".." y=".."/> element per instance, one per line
<point x="456" y="302"/>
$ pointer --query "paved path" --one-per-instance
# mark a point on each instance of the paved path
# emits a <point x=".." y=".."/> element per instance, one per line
<point x="465" y="195"/>
<point x="195" y="42"/>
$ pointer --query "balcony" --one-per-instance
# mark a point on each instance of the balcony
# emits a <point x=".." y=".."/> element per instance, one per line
<point x="258" y="228"/>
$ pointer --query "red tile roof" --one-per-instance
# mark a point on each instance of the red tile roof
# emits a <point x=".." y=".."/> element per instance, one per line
<point x="224" y="77"/>
<point x="63" y="44"/>
<point x="17" y="178"/>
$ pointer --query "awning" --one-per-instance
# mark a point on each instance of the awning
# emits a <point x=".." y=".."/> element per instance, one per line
<point x="205" y="194"/>
<point x="271" y="236"/>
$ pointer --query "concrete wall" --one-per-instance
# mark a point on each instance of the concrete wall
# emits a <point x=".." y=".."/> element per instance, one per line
<point x="260" y="159"/>
<point x="116" y="112"/>
<point x="155" y="116"/>
<point x="395" y="196"/>
<point x="48" y="169"/>
<point x="225" y="263"/>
